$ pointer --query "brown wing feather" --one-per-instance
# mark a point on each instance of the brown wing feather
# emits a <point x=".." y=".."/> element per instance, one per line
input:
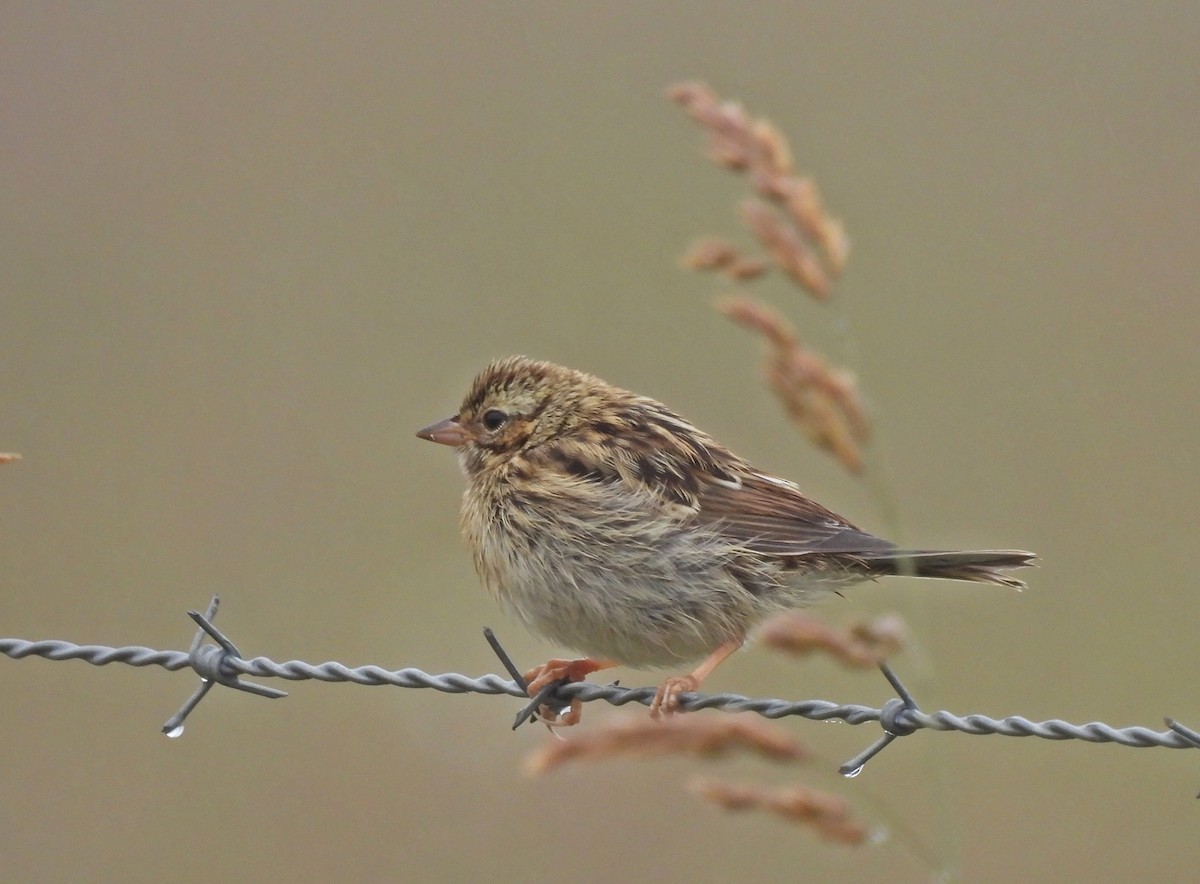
<point x="772" y="516"/>
<point x="662" y="458"/>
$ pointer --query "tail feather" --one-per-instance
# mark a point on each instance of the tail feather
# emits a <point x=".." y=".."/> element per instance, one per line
<point x="977" y="566"/>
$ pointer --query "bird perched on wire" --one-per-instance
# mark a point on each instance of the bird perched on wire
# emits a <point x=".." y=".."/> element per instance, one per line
<point x="607" y="523"/>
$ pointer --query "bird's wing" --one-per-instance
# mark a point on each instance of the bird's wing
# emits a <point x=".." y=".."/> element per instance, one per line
<point x="773" y="516"/>
<point x="672" y="467"/>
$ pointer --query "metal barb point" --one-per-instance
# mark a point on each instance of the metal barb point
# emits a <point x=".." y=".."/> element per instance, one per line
<point x="893" y="717"/>
<point x="898" y="686"/>
<point x="505" y="660"/>
<point x="1183" y="730"/>
<point x="211" y="664"/>
<point x="852" y="767"/>
<point x="528" y="712"/>
<point x="209" y="615"/>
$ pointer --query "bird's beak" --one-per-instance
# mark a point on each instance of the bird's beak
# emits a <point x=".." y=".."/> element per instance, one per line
<point x="447" y="432"/>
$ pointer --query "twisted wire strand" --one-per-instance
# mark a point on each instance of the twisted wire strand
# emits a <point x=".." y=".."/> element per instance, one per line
<point x="97" y="655"/>
<point x="899" y="720"/>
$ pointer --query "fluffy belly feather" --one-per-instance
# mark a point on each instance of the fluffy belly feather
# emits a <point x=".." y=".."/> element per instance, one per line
<point x="639" y="607"/>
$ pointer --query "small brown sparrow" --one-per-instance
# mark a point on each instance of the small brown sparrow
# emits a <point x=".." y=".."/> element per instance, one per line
<point x="607" y="523"/>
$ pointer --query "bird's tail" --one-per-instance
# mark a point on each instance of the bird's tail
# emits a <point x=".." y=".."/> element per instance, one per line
<point x="978" y="566"/>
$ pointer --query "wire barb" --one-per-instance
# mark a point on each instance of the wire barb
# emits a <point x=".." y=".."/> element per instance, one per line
<point x="505" y="660"/>
<point x="528" y="712"/>
<point x="210" y="663"/>
<point x="1184" y="731"/>
<point x="894" y="717"/>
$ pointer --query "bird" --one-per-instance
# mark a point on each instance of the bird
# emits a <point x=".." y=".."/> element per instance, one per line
<point x="607" y="523"/>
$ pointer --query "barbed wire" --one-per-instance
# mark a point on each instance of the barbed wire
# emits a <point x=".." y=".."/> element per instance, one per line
<point x="222" y="663"/>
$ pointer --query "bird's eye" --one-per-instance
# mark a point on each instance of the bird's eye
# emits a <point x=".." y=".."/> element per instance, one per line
<point x="494" y="419"/>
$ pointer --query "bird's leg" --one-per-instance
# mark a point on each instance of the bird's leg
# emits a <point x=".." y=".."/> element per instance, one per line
<point x="562" y="670"/>
<point x="666" y="701"/>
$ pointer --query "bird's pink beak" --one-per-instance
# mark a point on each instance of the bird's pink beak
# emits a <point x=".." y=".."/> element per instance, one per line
<point x="447" y="432"/>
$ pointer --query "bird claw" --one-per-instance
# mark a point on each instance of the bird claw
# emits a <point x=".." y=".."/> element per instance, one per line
<point x="666" y="700"/>
<point x="555" y="718"/>
<point x="564" y="671"/>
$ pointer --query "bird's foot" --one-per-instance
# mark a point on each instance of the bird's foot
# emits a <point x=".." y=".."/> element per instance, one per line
<point x="666" y="700"/>
<point x="565" y="671"/>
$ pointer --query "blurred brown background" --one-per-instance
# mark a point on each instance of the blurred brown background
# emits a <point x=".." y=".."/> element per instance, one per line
<point x="249" y="248"/>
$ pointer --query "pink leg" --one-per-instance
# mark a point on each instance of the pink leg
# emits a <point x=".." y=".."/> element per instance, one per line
<point x="666" y="701"/>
